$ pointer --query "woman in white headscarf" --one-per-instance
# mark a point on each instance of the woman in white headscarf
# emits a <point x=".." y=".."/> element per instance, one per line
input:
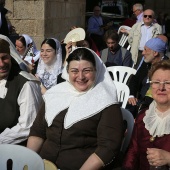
<point x="80" y="126"/>
<point x="50" y="63"/>
<point x="27" y="49"/>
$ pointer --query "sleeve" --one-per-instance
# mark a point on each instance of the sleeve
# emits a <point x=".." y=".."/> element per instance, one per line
<point x="92" y="27"/>
<point x="135" y="84"/>
<point x="29" y="101"/>
<point x="109" y="134"/>
<point x="39" y="126"/>
<point x="130" y="37"/>
<point x="127" y="61"/>
<point x="159" y="29"/>
<point x="131" y="161"/>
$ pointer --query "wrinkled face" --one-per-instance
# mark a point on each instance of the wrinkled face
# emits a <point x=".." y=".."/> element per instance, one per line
<point x="5" y="65"/>
<point x="148" y="17"/>
<point x="111" y="44"/>
<point x="47" y="54"/>
<point x="149" y="55"/>
<point x="20" y="47"/>
<point x="136" y="11"/>
<point x="81" y="74"/>
<point x="97" y="11"/>
<point x="161" y="94"/>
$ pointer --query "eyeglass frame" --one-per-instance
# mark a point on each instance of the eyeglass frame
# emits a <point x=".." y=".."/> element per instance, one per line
<point x="165" y="83"/>
<point x="135" y="11"/>
<point x="149" y="16"/>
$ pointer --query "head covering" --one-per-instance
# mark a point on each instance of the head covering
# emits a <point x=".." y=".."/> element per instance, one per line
<point x="14" y="54"/>
<point x="32" y="50"/>
<point x="156" y="44"/>
<point x="4" y="47"/>
<point x="48" y="74"/>
<point x="81" y="105"/>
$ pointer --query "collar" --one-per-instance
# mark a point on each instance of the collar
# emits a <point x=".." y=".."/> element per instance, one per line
<point x="156" y="122"/>
<point x="142" y="24"/>
<point x="140" y="15"/>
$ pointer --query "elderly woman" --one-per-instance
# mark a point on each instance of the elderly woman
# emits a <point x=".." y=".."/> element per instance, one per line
<point x="151" y="136"/>
<point x="50" y="64"/>
<point x="80" y="126"/>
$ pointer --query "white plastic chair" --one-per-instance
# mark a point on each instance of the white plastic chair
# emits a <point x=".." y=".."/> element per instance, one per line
<point x="121" y="73"/>
<point x="124" y="36"/>
<point x="122" y="93"/>
<point x="21" y="158"/>
<point x="128" y="117"/>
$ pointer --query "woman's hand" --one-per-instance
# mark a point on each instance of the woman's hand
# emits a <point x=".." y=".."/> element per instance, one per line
<point x="68" y="48"/>
<point x="93" y="163"/>
<point x="158" y="157"/>
<point x="30" y="66"/>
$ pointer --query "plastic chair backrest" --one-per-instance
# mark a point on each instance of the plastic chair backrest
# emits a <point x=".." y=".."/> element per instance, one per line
<point x="49" y="165"/>
<point x="128" y="117"/>
<point x="122" y="93"/>
<point x="20" y="156"/>
<point x="124" y="36"/>
<point x="121" y="73"/>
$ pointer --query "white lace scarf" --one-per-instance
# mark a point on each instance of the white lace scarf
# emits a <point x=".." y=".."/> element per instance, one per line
<point x="49" y="74"/>
<point x="156" y="122"/>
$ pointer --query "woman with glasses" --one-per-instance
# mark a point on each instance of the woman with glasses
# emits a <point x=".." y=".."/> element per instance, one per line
<point x="150" y="142"/>
<point x="80" y="125"/>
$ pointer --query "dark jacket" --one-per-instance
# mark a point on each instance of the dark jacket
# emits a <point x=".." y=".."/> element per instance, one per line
<point x="9" y="107"/>
<point x="70" y="148"/>
<point x="4" y="27"/>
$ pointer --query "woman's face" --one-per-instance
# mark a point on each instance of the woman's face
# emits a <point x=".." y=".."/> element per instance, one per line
<point x="47" y="54"/>
<point x="81" y="74"/>
<point x="20" y="47"/>
<point x="161" y="94"/>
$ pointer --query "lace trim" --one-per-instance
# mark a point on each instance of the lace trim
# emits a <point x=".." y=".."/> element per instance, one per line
<point x="156" y="122"/>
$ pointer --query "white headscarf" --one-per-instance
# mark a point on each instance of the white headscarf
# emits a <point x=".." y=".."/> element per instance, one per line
<point x="32" y="50"/>
<point x="81" y="105"/>
<point x="48" y="74"/>
<point x="14" y="54"/>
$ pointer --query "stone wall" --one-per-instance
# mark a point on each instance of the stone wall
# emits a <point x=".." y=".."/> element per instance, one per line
<point x="46" y="18"/>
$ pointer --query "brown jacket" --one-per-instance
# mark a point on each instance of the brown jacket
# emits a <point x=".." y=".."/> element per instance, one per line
<point x="69" y="148"/>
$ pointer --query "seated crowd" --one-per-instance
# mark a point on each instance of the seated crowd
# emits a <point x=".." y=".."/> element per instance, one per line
<point x="61" y="102"/>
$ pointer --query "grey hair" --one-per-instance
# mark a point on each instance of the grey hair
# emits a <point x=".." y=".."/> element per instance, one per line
<point x="139" y="6"/>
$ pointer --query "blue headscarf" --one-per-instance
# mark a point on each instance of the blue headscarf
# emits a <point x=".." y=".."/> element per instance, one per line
<point x="156" y="44"/>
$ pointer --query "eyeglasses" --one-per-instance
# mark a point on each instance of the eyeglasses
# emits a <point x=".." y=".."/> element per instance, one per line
<point x="149" y="16"/>
<point x="135" y="10"/>
<point x="156" y="84"/>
